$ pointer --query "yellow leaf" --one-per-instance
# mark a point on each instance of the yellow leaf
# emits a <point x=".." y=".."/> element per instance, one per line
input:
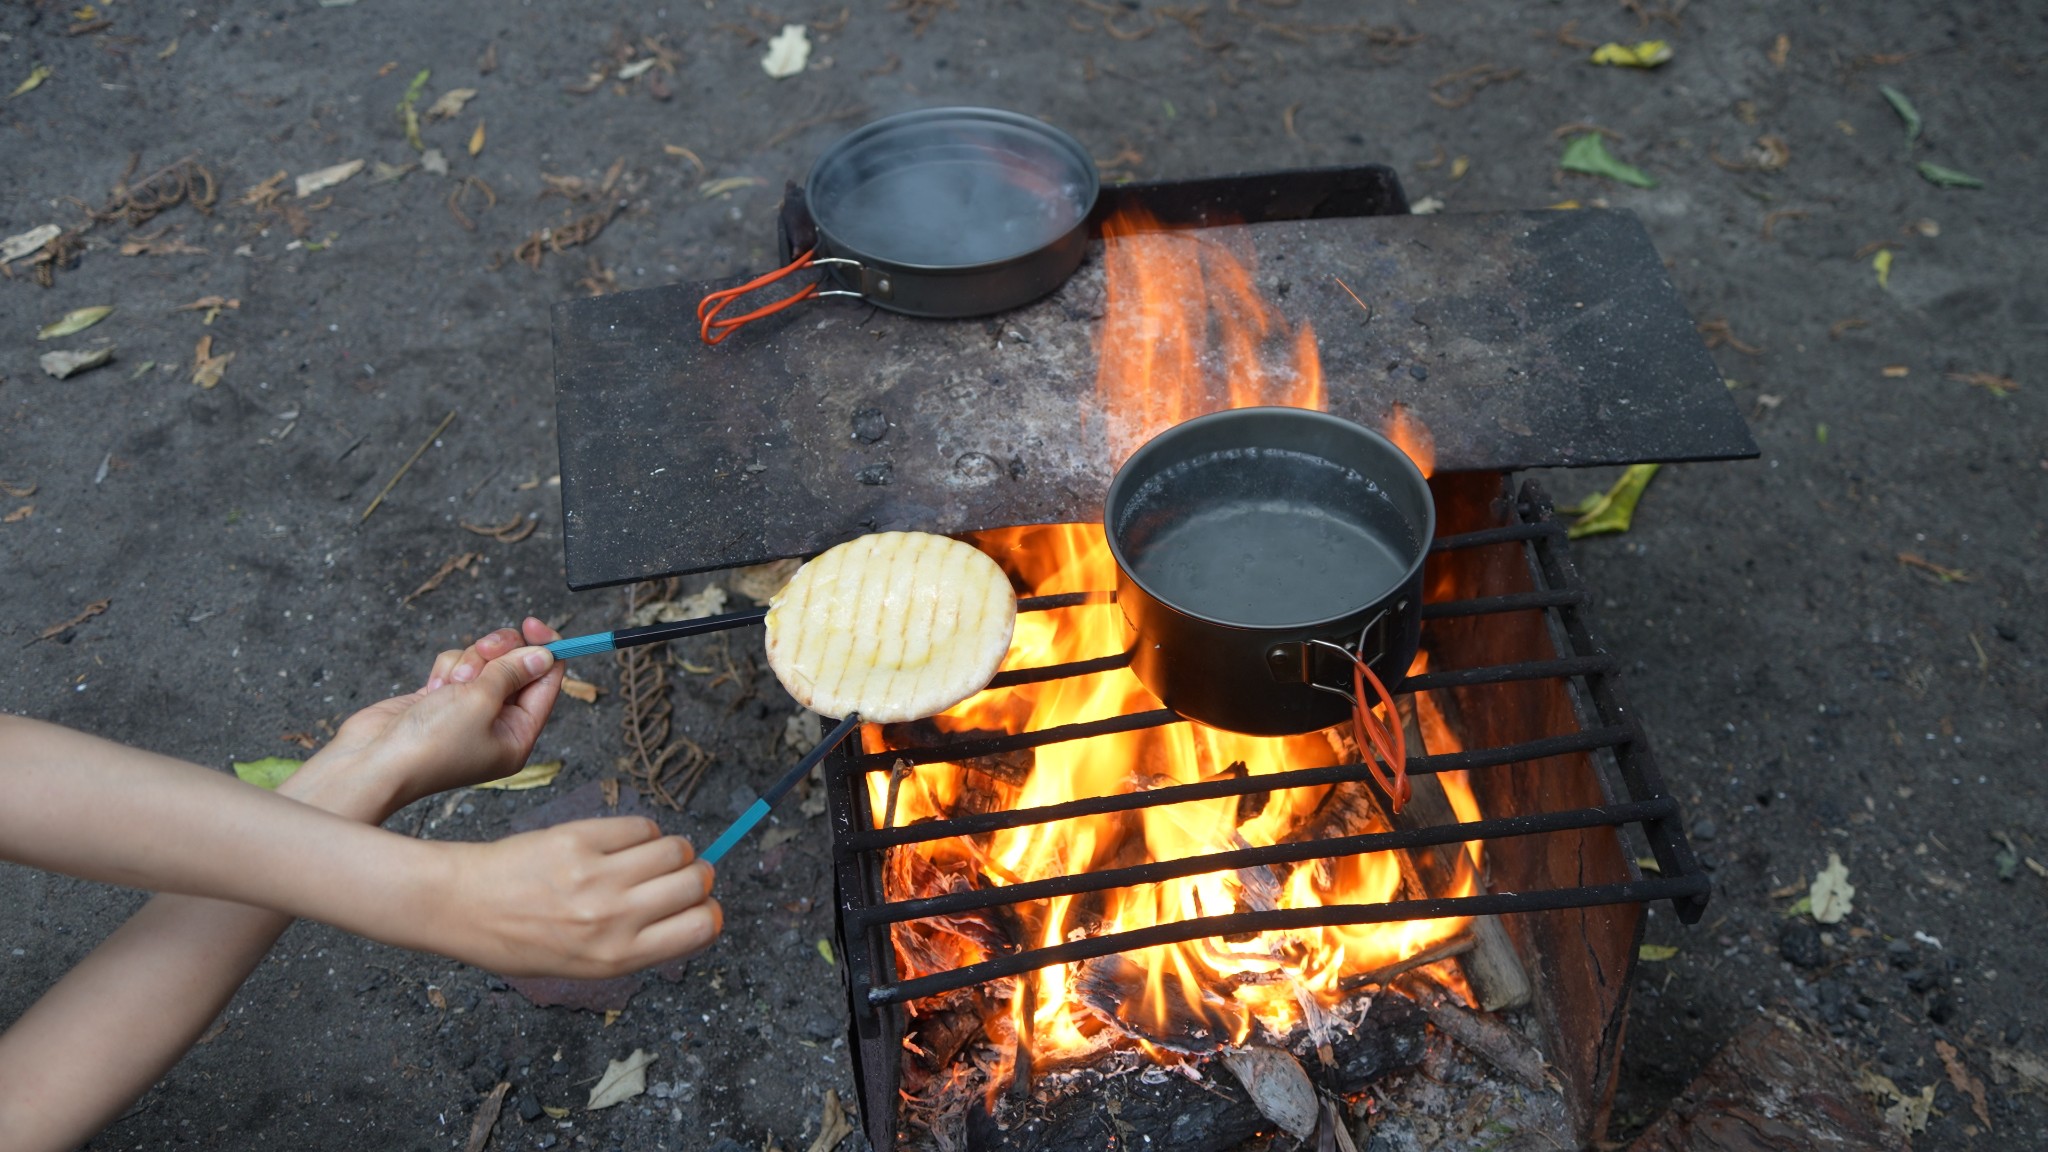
<point x="825" y="950"/>
<point x="1565" y="206"/>
<point x="555" y="1112"/>
<point x="1657" y="953"/>
<point x="268" y="772"/>
<point x="582" y="690"/>
<point x="611" y="1017"/>
<point x="206" y="367"/>
<point x="76" y="320"/>
<point x="1645" y="54"/>
<point x="1615" y="509"/>
<point x="1460" y="166"/>
<point x="531" y="776"/>
<point x="476" y="139"/>
<point x="1831" y="893"/>
<point x="1883" y="263"/>
<point x="34" y="81"/>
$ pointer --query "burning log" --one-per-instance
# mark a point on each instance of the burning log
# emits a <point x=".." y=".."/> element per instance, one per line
<point x="1495" y="970"/>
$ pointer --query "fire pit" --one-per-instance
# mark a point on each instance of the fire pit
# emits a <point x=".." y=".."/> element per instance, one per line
<point x="1059" y="880"/>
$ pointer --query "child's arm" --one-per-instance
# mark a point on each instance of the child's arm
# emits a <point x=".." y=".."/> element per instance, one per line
<point x="120" y="1019"/>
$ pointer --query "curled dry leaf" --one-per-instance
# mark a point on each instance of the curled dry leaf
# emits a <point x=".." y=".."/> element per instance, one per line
<point x="22" y="243"/>
<point x="325" y="178"/>
<point x="1965" y="1082"/>
<point x="833" y="1126"/>
<point x="788" y="52"/>
<point x="449" y="104"/>
<point x="207" y="368"/>
<point x="532" y="776"/>
<point x="19" y="514"/>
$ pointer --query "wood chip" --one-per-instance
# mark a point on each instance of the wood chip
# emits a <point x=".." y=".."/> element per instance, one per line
<point x="325" y="178"/>
<point x="582" y="690"/>
<point x="20" y="491"/>
<point x="1278" y="1087"/>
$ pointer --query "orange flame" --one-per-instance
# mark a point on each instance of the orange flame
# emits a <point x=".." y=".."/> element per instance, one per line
<point x="1187" y="332"/>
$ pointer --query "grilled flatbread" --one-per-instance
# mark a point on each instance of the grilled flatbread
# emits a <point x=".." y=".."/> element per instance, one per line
<point x="895" y="626"/>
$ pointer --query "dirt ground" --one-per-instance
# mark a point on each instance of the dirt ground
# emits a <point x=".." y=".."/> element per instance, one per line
<point x="1811" y="690"/>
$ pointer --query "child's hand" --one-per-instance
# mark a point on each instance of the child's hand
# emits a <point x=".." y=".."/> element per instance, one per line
<point x="476" y="719"/>
<point x="590" y="899"/>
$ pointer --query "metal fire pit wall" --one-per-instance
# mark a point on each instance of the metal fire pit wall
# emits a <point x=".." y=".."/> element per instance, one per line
<point x="1559" y="763"/>
<point x="1521" y="339"/>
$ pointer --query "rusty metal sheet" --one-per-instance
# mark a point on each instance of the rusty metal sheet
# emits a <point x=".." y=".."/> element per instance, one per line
<point x="1524" y="339"/>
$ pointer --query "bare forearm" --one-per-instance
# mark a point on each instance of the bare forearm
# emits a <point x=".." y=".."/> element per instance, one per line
<point x="97" y="810"/>
<point x="121" y="1019"/>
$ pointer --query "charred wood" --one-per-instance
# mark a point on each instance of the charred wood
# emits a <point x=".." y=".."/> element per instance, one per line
<point x="1090" y="1110"/>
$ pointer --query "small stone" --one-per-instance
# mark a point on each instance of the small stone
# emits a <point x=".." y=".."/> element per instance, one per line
<point x="1919" y="979"/>
<point x="820" y="1026"/>
<point x="1799" y="943"/>
<point x="547" y="1141"/>
<point x="529" y="1107"/>
<point x="726" y="1144"/>
<point x="870" y="425"/>
<point x="1940" y="1007"/>
<point x="1899" y="948"/>
<point x="875" y="475"/>
<point x="482" y="1079"/>
<point x="1704" y="829"/>
<point x="1418" y="371"/>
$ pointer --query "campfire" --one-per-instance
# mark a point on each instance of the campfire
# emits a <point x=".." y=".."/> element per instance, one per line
<point x="1186" y="333"/>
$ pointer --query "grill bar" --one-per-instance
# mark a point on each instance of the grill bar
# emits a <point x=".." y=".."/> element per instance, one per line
<point x="980" y="822"/>
<point x="1497" y="828"/>
<point x="1681" y="888"/>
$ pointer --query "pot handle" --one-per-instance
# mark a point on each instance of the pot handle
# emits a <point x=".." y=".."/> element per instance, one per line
<point x="1378" y="740"/>
<point x="1374" y="737"/>
<point x="711" y="328"/>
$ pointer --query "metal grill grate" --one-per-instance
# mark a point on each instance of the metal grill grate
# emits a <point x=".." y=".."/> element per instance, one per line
<point x="866" y="915"/>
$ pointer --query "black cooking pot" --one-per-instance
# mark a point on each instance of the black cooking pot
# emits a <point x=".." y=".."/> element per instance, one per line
<point x="1260" y="552"/>
<point x="946" y="212"/>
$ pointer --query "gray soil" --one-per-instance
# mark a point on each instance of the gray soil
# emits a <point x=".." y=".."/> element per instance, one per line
<point x="1810" y="693"/>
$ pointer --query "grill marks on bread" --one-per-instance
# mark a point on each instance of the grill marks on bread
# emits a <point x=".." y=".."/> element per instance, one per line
<point x="895" y="626"/>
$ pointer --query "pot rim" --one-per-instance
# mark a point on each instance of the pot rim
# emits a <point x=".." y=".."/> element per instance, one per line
<point x="1083" y="167"/>
<point x="1406" y="467"/>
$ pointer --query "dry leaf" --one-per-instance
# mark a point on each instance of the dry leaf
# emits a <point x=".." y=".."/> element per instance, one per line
<point x="582" y="690"/>
<point x="1645" y="54"/>
<point x="622" y="1080"/>
<point x="487" y="1118"/>
<point x="75" y="321"/>
<point x="1781" y="51"/>
<point x="21" y="491"/>
<point x="34" y="81"/>
<point x="449" y="105"/>
<point x="206" y="367"/>
<point x="1895" y="371"/>
<point x="1999" y="386"/>
<point x="19" y="514"/>
<point x="88" y="612"/>
<point x="476" y="139"/>
<point x="761" y="582"/>
<point x="833" y="1125"/>
<point x="1959" y="1075"/>
<point x="788" y="52"/>
<point x="636" y="68"/>
<point x="1831" y="892"/>
<point x="709" y="602"/>
<point x="532" y="776"/>
<point x="64" y="365"/>
<point x="325" y="178"/>
<point x="22" y="243"/>
<point x="457" y="563"/>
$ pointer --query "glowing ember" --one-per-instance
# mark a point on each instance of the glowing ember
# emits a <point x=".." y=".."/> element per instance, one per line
<point x="1186" y="333"/>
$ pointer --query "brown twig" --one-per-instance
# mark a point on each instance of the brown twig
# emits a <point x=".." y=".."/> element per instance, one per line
<point x="88" y="612"/>
<point x="1579" y="126"/>
<point x="1715" y="333"/>
<point x="460" y="192"/>
<point x="460" y="562"/>
<point x="1839" y="327"/>
<point x="1473" y="79"/>
<point x="1771" y="218"/>
<point x="1354" y="297"/>
<point x="407" y="466"/>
